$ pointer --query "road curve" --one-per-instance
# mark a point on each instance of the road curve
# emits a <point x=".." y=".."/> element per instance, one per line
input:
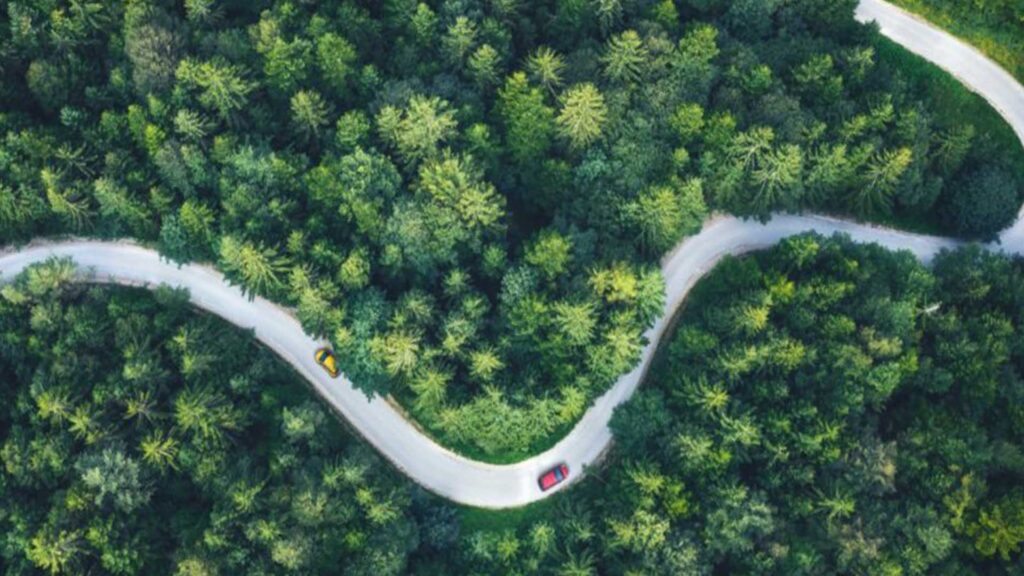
<point x="493" y="486"/>
<point x="963" y="61"/>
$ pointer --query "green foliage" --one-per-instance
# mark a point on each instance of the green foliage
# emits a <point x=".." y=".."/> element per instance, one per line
<point x="494" y="426"/>
<point x="114" y="479"/>
<point x="153" y="43"/>
<point x="417" y="131"/>
<point x="687" y="121"/>
<point x="453" y="186"/>
<point x="626" y="58"/>
<point x="259" y="269"/>
<point x="840" y="399"/>
<point x="582" y="116"/>
<point x="821" y="406"/>
<point x="546" y="67"/>
<point x="490" y="179"/>
<point x="485" y="66"/>
<point x="458" y="40"/>
<point x="309" y="114"/>
<point x="336" y="58"/>
<point x="158" y="494"/>
<point x="883" y="174"/>
<point x="1000" y="528"/>
<point x="529" y="122"/>
<point x="550" y="254"/>
<point x="981" y="201"/>
<point x="220" y="86"/>
<point x="663" y="214"/>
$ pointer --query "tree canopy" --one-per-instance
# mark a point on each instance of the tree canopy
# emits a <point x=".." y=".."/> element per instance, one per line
<point x="820" y="408"/>
<point x="426" y="182"/>
<point x="138" y="437"/>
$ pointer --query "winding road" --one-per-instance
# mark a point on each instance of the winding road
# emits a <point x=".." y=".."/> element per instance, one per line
<point x="501" y="486"/>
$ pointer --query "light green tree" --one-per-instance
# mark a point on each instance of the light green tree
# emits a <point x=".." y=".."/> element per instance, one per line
<point x="336" y="58"/>
<point x="259" y="269"/>
<point x="546" y="67"/>
<point x="309" y="114"/>
<point x="53" y="404"/>
<point x="687" y="122"/>
<point x="550" y="253"/>
<point x="578" y="564"/>
<point x="200" y="11"/>
<point x="583" y="115"/>
<point x="55" y="551"/>
<point x="608" y="12"/>
<point x="454" y="185"/>
<point x="458" y="40"/>
<point x="287" y="64"/>
<point x="120" y="209"/>
<point x="222" y="86"/>
<point x="423" y="25"/>
<point x="418" y="131"/>
<point x="484" y="364"/>
<point x="884" y="171"/>
<point x="625" y="58"/>
<point x="70" y="206"/>
<point x="485" y="66"/>
<point x="115" y="479"/>
<point x="159" y="450"/>
<point x="1000" y="528"/>
<point x="529" y="122"/>
<point x="662" y="214"/>
<point x="205" y="414"/>
<point x="778" y="179"/>
<point x="191" y="125"/>
<point x="398" y="350"/>
<point x="576" y="322"/>
<point x="431" y="388"/>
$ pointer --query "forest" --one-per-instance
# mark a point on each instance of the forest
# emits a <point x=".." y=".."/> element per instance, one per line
<point x="819" y="408"/>
<point x="191" y="451"/>
<point x="470" y="197"/>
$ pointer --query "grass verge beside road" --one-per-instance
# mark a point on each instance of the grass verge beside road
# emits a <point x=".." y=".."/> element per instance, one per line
<point x="995" y="34"/>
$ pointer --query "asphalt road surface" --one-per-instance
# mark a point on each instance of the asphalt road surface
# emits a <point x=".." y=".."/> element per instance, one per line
<point x="486" y="485"/>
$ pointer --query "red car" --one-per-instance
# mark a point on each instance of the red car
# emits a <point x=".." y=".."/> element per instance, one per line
<point x="553" y="477"/>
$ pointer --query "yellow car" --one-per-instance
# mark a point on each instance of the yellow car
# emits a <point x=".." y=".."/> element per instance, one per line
<point x="325" y="358"/>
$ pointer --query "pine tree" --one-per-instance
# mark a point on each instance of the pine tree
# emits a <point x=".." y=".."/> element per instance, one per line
<point x="529" y="122"/>
<point x="884" y="171"/>
<point x="309" y="114"/>
<point x="583" y="115"/>
<point x="626" y="58"/>
<point x="259" y="269"/>
<point x="546" y="67"/>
